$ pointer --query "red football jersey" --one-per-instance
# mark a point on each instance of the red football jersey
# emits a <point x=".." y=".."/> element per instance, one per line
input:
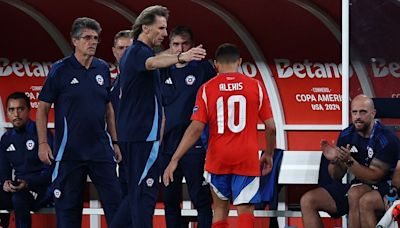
<point x="232" y="103"/>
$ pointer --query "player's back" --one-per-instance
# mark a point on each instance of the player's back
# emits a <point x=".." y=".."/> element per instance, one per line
<point x="233" y="103"/>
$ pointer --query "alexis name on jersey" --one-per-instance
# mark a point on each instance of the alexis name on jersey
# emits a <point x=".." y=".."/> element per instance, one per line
<point x="231" y="86"/>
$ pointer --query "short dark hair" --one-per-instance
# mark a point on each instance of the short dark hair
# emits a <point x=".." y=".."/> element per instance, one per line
<point x="227" y="53"/>
<point x="181" y="31"/>
<point x="123" y="33"/>
<point x="147" y="17"/>
<point x="19" y="95"/>
<point x="84" y="23"/>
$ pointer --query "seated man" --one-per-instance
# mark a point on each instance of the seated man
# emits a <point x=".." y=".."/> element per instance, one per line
<point x="18" y="151"/>
<point x="369" y="151"/>
<point x="330" y="197"/>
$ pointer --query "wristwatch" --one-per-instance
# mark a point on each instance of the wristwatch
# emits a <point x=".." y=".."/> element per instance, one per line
<point x="179" y="59"/>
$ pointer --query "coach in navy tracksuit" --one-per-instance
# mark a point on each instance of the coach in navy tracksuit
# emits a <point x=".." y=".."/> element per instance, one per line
<point x="140" y="114"/>
<point x="86" y="140"/>
<point x="179" y="85"/>
<point x="28" y="189"/>
<point x="122" y="40"/>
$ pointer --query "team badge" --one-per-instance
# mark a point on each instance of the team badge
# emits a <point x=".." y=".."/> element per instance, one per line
<point x="100" y="79"/>
<point x="190" y="79"/>
<point x="57" y="193"/>
<point x="30" y="144"/>
<point x="195" y="109"/>
<point x="149" y="182"/>
<point x="370" y="152"/>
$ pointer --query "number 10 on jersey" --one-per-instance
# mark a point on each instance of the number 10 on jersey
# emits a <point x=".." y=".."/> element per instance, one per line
<point x="231" y="105"/>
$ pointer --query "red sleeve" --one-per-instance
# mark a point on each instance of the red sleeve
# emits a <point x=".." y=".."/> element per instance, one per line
<point x="264" y="112"/>
<point x="200" y="107"/>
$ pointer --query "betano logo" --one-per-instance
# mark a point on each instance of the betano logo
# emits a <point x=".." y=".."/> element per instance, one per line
<point x="33" y="69"/>
<point x="284" y="68"/>
<point x="306" y="69"/>
<point x="24" y="68"/>
<point x="382" y="69"/>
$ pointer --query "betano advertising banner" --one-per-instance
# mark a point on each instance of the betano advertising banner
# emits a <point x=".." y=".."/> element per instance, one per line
<point x="306" y="89"/>
<point x="310" y="91"/>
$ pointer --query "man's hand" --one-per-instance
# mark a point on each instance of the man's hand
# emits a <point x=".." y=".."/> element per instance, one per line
<point x="21" y="185"/>
<point x="266" y="164"/>
<point x="169" y="172"/>
<point x="8" y="185"/>
<point x="329" y="151"/>
<point x="118" y="155"/>
<point x="45" y="153"/>
<point x="195" y="53"/>
<point x="344" y="153"/>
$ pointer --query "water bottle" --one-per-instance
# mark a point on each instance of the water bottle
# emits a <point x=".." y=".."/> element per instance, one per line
<point x="391" y="196"/>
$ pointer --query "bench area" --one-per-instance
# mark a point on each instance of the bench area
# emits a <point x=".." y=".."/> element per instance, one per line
<point x="296" y="167"/>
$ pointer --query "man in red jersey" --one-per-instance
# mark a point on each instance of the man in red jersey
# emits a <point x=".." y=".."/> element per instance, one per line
<point x="231" y="103"/>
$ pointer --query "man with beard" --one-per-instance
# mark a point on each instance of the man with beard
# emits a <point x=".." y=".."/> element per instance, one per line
<point x="28" y="190"/>
<point x="179" y="85"/>
<point x="369" y="151"/>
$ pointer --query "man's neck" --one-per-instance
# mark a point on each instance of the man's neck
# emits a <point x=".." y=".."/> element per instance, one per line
<point x="117" y="66"/>
<point x="142" y="37"/>
<point x="21" y="129"/>
<point x="227" y="68"/>
<point x="368" y="132"/>
<point x="84" y="60"/>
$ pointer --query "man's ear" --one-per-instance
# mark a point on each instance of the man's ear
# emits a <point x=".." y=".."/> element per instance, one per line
<point x="74" y="41"/>
<point x="374" y="113"/>
<point x="145" y="29"/>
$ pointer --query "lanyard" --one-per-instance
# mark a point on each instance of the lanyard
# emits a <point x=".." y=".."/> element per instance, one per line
<point x="370" y="151"/>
